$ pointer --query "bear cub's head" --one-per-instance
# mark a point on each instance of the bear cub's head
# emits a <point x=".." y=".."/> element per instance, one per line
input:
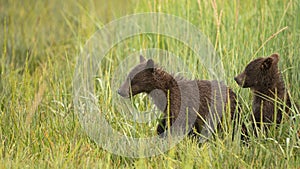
<point x="260" y="74"/>
<point x="139" y="80"/>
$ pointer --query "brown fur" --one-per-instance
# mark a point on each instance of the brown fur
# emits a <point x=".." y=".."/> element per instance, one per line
<point x="148" y="78"/>
<point x="263" y="77"/>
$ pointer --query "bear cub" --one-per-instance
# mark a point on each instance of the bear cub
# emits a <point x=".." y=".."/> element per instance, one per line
<point x="184" y="103"/>
<point x="270" y="96"/>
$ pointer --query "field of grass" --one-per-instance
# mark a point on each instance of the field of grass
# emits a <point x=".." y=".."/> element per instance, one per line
<point x="39" y="45"/>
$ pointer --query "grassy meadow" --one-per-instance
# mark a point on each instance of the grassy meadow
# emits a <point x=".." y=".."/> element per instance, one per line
<point x="41" y="40"/>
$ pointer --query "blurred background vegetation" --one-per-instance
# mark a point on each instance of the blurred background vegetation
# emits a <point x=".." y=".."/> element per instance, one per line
<point x="39" y="44"/>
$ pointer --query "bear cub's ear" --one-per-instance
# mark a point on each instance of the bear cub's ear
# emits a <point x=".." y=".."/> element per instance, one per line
<point x="150" y="64"/>
<point x="267" y="63"/>
<point x="142" y="59"/>
<point x="275" y="57"/>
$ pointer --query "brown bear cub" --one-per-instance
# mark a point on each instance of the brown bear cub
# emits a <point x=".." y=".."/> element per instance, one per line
<point x="185" y="103"/>
<point x="263" y="77"/>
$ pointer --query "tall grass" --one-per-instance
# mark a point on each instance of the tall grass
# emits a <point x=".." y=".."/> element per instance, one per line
<point x="40" y="41"/>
